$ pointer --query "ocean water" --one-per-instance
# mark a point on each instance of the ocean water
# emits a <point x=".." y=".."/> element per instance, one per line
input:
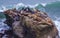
<point x="3" y="26"/>
<point x="53" y="10"/>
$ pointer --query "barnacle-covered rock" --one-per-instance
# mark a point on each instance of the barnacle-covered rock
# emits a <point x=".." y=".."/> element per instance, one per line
<point x="31" y="23"/>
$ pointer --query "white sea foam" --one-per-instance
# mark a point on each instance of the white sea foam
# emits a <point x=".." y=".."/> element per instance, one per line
<point x="57" y="23"/>
<point x="3" y="8"/>
<point x="3" y="26"/>
<point x="24" y="5"/>
<point x="32" y="6"/>
<point x="44" y="4"/>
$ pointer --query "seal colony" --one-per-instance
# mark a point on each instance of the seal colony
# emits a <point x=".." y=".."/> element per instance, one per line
<point x="27" y="23"/>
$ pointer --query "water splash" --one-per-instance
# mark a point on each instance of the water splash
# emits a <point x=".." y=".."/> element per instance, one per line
<point x="3" y="8"/>
<point x="57" y="23"/>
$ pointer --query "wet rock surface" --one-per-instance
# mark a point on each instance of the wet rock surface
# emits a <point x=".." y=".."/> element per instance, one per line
<point x="26" y="23"/>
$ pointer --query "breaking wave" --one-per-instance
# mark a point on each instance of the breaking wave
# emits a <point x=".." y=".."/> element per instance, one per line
<point x="20" y="5"/>
<point x="57" y="23"/>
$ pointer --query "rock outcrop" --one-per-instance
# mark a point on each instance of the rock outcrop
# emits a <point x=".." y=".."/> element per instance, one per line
<point x="27" y="23"/>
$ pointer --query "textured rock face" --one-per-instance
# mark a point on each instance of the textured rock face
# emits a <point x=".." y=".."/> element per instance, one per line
<point x="31" y="24"/>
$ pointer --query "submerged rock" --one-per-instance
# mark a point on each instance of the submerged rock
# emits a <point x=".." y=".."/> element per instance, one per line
<point x="28" y="23"/>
